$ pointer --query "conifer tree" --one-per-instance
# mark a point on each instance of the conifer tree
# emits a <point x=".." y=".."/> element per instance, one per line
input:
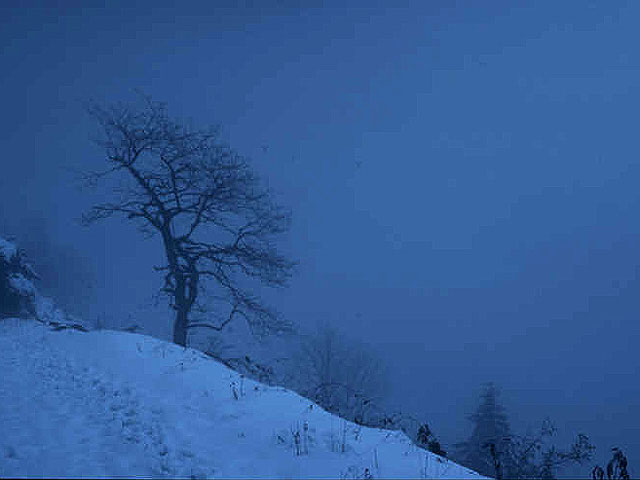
<point x="494" y="451"/>
<point x="487" y="448"/>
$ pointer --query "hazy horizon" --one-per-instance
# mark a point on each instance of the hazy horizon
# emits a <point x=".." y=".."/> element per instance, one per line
<point x="463" y="180"/>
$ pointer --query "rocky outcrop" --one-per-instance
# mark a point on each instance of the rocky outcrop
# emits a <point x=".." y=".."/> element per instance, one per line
<point x="17" y="292"/>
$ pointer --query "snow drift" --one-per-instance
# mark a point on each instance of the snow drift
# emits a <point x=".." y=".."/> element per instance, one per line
<point x="106" y="403"/>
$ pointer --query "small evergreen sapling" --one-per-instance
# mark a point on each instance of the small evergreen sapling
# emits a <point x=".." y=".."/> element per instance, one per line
<point x="426" y="440"/>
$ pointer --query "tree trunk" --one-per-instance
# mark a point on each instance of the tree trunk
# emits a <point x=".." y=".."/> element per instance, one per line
<point x="182" y="312"/>
<point x="180" y="327"/>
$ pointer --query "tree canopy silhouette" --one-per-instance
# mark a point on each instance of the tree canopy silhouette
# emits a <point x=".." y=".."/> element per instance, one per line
<point x="216" y="223"/>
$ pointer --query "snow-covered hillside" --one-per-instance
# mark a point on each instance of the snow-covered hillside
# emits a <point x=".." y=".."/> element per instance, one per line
<point x="106" y="403"/>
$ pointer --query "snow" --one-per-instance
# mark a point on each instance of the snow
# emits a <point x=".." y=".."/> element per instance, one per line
<point x="7" y="250"/>
<point x="116" y="404"/>
<point x="21" y="285"/>
<point x="48" y="312"/>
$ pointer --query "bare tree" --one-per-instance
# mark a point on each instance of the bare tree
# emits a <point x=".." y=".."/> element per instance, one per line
<point x="493" y="450"/>
<point x="215" y="221"/>
<point x="533" y="457"/>
<point x="340" y="375"/>
<point x="617" y="468"/>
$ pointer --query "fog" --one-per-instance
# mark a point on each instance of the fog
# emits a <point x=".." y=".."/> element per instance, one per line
<point x="463" y="180"/>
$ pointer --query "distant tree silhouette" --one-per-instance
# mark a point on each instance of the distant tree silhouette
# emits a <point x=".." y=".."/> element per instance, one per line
<point x="340" y="375"/>
<point x="487" y="448"/>
<point x="493" y="450"/>
<point x="216" y="223"/>
<point x="617" y="468"/>
<point x="531" y="456"/>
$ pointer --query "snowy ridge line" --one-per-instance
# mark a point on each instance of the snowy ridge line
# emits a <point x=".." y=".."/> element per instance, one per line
<point x="116" y="404"/>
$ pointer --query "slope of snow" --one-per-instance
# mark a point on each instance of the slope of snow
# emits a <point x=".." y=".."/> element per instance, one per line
<point x="115" y="404"/>
<point x="21" y="285"/>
